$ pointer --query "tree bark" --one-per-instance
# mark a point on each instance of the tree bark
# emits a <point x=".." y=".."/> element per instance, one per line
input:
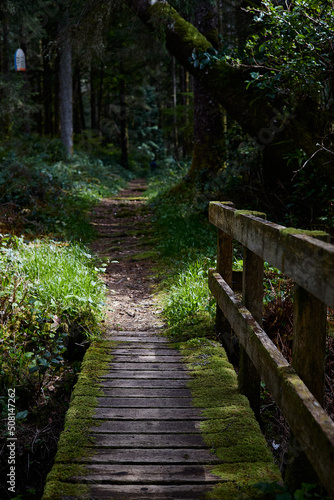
<point x="65" y="89"/>
<point x="124" y="123"/>
<point x="256" y="115"/>
<point x="209" y="141"/>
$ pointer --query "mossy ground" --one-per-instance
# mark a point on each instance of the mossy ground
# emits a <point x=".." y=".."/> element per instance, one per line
<point x="75" y="442"/>
<point x="230" y="428"/>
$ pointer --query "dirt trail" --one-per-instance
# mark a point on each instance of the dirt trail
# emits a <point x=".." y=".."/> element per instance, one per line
<point x="124" y="226"/>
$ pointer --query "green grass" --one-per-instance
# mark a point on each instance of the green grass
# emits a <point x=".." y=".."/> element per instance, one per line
<point x="48" y="291"/>
<point x="187" y="245"/>
<point x="50" y="288"/>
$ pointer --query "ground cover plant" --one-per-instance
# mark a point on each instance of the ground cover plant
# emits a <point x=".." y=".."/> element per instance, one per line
<point x="51" y="293"/>
<point x="188" y="246"/>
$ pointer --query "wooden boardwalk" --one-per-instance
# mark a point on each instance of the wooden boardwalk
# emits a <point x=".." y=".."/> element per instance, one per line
<point x="132" y="432"/>
<point x="148" y="445"/>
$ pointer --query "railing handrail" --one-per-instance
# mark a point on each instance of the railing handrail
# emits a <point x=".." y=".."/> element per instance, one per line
<point x="298" y="255"/>
<point x="296" y="388"/>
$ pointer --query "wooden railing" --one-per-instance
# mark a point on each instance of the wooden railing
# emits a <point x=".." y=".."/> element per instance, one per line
<point x="298" y="388"/>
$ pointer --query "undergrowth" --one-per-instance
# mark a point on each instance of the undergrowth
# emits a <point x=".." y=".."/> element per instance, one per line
<point x="187" y="244"/>
<point x="51" y="293"/>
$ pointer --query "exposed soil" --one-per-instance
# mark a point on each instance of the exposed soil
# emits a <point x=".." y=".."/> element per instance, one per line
<point x="124" y="228"/>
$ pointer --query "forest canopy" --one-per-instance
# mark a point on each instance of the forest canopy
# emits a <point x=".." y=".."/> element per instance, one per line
<point x="266" y="66"/>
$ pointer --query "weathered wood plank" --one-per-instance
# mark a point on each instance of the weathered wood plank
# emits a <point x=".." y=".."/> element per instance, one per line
<point x="314" y="428"/>
<point x="148" y="374"/>
<point x="148" y="413"/>
<point x="147" y="359"/>
<point x="148" y="426"/>
<point x="166" y="474"/>
<point x="134" y="350"/>
<point x="141" y="383"/>
<point x="252" y="298"/>
<point x="302" y="258"/>
<point x="113" y="402"/>
<point x="135" y="339"/>
<point x="138" y="367"/>
<point x="149" y="492"/>
<point x="134" y="392"/>
<point x="133" y="332"/>
<point x="148" y="440"/>
<point x="151" y="456"/>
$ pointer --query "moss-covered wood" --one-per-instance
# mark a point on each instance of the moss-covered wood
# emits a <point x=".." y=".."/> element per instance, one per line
<point x="251" y="109"/>
<point x="75" y="442"/>
<point x="313" y="428"/>
<point x="306" y="260"/>
<point x="230" y="428"/>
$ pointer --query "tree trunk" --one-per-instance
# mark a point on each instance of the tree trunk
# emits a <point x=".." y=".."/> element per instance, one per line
<point x="65" y="89"/>
<point x="124" y="124"/>
<point x="248" y="107"/>
<point x="93" y="121"/>
<point x="209" y="142"/>
<point x="175" y="130"/>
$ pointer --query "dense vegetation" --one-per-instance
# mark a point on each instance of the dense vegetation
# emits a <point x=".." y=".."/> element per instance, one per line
<point x="239" y="107"/>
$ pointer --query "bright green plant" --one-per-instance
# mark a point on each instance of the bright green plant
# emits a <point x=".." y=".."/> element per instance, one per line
<point x="47" y="290"/>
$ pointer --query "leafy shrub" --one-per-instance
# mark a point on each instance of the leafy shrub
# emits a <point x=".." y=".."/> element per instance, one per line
<point x="47" y="291"/>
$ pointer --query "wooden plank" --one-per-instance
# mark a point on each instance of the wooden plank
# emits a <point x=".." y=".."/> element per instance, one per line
<point x="308" y="421"/>
<point x="308" y="261"/>
<point x="150" y="456"/>
<point x="252" y="298"/>
<point x="138" y="367"/>
<point x="148" y="413"/>
<point x="133" y="350"/>
<point x="148" y="426"/>
<point x="149" y="492"/>
<point x="140" y="382"/>
<point x="139" y="392"/>
<point x="107" y="402"/>
<point x="148" y="374"/>
<point x="148" y="358"/>
<point x="148" y="440"/>
<point x="133" y="332"/>
<point x="162" y="474"/>
<point x="309" y="341"/>
<point x="144" y="402"/>
<point x="139" y="339"/>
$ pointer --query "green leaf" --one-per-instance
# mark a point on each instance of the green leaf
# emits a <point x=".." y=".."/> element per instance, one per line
<point x="21" y="415"/>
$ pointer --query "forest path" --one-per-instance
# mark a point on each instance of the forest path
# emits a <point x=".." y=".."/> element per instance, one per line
<point x="148" y="444"/>
<point x="139" y="438"/>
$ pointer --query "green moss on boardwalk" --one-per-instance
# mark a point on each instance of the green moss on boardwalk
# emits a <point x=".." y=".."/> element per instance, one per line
<point x="230" y="429"/>
<point x="75" y="441"/>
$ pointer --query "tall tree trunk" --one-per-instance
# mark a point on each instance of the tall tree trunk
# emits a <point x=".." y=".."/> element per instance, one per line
<point x="124" y="123"/>
<point x="47" y="92"/>
<point x="248" y="107"/>
<point x="209" y="142"/>
<point x="175" y="130"/>
<point x="65" y="88"/>
<point x="93" y="121"/>
<point x="78" y="109"/>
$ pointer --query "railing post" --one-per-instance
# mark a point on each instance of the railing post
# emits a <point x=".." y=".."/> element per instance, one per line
<point x="252" y="296"/>
<point x="224" y="268"/>
<point x="308" y="359"/>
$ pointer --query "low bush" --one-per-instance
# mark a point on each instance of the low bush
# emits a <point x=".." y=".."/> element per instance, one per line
<point x="48" y="291"/>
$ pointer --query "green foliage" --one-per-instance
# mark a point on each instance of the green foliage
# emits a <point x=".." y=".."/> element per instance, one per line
<point x="290" y="56"/>
<point x="47" y="291"/>
<point x="281" y="492"/>
<point x="53" y="197"/>
<point x="188" y="244"/>
<point x="293" y="54"/>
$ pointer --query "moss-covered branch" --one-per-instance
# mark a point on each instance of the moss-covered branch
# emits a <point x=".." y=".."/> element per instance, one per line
<point x="227" y="84"/>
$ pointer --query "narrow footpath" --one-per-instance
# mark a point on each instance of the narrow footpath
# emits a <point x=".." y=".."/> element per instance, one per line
<point x="132" y="431"/>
